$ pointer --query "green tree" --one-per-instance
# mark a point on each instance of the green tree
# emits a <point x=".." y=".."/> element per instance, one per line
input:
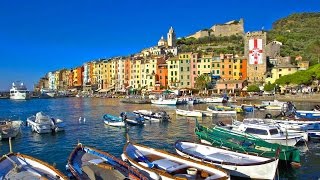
<point x="202" y="81"/>
<point x="269" y="87"/>
<point x="253" y="88"/>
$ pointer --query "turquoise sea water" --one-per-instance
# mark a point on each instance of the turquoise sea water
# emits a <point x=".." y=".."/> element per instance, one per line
<point x="56" y="148"/>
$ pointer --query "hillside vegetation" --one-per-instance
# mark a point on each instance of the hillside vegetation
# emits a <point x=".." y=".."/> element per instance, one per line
<point x="301" y="77"/>
<point x="300" y="35"/>
<point x="225" y="44"/>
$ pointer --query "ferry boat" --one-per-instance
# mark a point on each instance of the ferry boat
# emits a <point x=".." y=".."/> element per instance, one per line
<point x="19" y="91"/>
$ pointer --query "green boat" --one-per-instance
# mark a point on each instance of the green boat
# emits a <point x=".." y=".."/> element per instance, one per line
<point x="246" y="143"/>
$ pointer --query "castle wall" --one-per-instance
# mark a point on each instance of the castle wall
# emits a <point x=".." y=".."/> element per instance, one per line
<point x="228" y="29"/>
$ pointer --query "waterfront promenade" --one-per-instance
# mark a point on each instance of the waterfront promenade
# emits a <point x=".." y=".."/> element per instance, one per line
<point x="315" y="97"/>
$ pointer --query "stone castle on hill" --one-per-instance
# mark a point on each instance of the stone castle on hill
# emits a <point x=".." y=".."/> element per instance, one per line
<point x="227" y="29"/>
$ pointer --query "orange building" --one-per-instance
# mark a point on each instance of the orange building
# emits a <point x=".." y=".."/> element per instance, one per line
<point x="77" y="76"/>
<point x="226" y="66"/>
<point x="161" y="74"/>
<point x="127" y="70"/>
<point x="243" y="69"/>
<point x="70" y="79"/>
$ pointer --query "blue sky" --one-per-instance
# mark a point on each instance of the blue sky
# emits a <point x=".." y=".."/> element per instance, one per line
<point x="38" y="36"/>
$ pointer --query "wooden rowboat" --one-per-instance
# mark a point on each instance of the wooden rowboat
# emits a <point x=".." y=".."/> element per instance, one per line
<point x="89" y="163"/>
<point x="238" y="164"/>
<point x="20" y="166"/>
<point x="160" y="164"/>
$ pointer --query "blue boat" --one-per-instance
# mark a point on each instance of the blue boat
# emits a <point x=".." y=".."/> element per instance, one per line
<point x="247" y="107"/>
<point x="132" y="118"/>
<point x="113" y="120"/>
<point x="315" y="114"/>
<point x="89" y="163"/>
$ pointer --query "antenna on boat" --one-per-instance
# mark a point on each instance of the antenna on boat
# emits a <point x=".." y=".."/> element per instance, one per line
<point x="10" y="145"/>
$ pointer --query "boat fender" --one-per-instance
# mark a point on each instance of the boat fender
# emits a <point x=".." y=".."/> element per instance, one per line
<point x="154" y="176"/>
<point x="124" y="158"/>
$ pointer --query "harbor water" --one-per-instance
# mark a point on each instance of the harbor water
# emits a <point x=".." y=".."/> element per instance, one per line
<point x="84" y="124"/>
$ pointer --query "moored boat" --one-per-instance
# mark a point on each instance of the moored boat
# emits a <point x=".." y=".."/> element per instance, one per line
<point x="160" y="164"/>
<point x="162" y="101"/>
<point x="132" y="118"/>
<point x="242" y="142"/>
<point x="239" y="164"/>
<point x="113" y="120"/>
<point x="9" y="128"/>
<point x="221" y="111"/>
<point x="19" y="91"/>
<point x="153" y="115"/>
<point x="188" y="113"/>
<point x="268" y="132"/>
<point x="89" y="163"/>
<point x="42" y="123"/>
<point x="20" y="166"/>
<point x="214" y="99"/>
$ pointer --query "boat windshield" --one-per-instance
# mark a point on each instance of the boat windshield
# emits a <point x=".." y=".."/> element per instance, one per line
<point x="273" y="131"/>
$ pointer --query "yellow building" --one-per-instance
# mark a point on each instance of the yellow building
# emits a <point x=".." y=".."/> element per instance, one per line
<point x="173" y="72"/>
<point x="57" y="79"/>
<point x="136" y="74"/>
<point x="204" y="64"/>
<point x="280" y="70"/>
<point x="184" y="70"/>
<point x="149" y="69"/>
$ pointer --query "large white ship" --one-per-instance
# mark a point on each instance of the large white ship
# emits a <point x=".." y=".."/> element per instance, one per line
<point x="19" y="91"/>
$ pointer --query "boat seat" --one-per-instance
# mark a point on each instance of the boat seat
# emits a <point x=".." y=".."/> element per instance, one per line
<point x="168" y="165"/>
<point x="96" y="161"/>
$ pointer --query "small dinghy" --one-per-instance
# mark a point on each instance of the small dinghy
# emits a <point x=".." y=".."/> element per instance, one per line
<point x="132" y="118"/>
<point x="182" y="112"/>
<point x="153" y="115"/>
<point x="20" y="166"/>
<point x="113" y="120"/>
<point x="239" y="164"/>
<point x="9" y="128"/>
<point x="160" y="164"/>
<point x="89" y="163"/>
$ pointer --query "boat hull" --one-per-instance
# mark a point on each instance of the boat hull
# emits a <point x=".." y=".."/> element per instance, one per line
<point x="264" y="168"/>
<point x="188" y="113"/>
<point x="31" y="168"/>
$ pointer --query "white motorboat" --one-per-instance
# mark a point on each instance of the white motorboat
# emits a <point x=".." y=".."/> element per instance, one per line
<point x="9" y="128"/>
<point x="113" y="120"/>
<point x="153" y="115"/>
<point x="182" y="112"/>
<point x="19" y="166"/>
<point x="214" y="100"/>
<point x="286" y="130"/>
<point x="238" y="164"/>
<point x="19" y="91"/>
<point x="48" y="93"/>
<point x="159" y="164"/>
<point x="162" y="101"/>
<point x="42" y="123"/>
<point x="269" y="133"/>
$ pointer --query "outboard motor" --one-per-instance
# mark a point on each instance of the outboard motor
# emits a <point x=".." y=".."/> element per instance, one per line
<point x="268" y="116"/>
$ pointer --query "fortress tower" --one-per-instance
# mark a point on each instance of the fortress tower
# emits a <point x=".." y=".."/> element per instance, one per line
<point x="171" y="37"/>
<point x="254" y="50"/>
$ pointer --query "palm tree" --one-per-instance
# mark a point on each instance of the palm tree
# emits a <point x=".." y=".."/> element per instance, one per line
<point x="202" y="81"/>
